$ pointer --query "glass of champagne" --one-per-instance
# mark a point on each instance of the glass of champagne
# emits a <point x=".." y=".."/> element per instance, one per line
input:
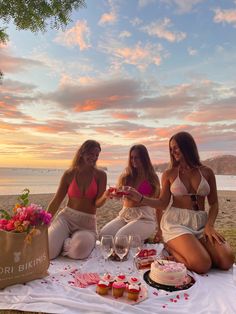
<point x="135" y="245"/>
<point x="121" y="246"/>
<point x="107" y="248"/>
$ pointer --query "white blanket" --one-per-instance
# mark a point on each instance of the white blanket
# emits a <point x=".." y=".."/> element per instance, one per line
<point x="214" y="293"/>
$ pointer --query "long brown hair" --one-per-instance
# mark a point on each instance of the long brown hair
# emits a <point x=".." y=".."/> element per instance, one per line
<point x="85" y="147"/>
<point x="188" y="148"/>
<point x="130" y="174"/>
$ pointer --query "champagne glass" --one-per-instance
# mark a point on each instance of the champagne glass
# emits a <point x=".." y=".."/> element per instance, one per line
<point x="135" y="245"/>
<point x="107" y="247"/>
<point x="121" y="246"/>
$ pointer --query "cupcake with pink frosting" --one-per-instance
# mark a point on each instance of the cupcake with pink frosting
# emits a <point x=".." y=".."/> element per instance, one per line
<point x="118" y="288"/>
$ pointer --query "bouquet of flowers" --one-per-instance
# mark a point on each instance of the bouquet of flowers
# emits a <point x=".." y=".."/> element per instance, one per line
<point x="25" y="217"/>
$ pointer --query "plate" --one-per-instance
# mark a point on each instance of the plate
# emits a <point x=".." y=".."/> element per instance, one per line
<point x="154" y="284"/>
<point x="143" y="294"/>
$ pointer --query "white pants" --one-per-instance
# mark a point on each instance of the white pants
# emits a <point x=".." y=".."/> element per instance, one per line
<point x="178" y="221"/>
<point x="135" y="220"/>
<point x="73" y="233"/>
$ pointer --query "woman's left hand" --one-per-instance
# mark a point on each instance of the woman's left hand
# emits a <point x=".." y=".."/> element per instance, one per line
<point x="210" y="234"/>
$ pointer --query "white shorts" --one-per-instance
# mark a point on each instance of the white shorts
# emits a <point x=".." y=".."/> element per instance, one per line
<point x="129" y="214"/>
<point x="178" y="221"/>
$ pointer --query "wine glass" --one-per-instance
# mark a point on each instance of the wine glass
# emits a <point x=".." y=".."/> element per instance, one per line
<point x="135" y="245"/>
<point x="107" y="247"/>
<point x="121" y="246"/>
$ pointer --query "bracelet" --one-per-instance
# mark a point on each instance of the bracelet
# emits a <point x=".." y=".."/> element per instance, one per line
<point x="141" y="199"/>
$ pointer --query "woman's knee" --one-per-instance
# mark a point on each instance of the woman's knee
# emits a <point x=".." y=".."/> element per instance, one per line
<point x="225" y="262"/>
<point x="81" y="245"/>
<point x="111" y="228"/>
<point x="200" y="266"/>
<point x="56" y="237"/>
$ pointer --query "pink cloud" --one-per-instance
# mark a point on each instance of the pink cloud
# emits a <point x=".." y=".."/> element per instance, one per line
<point x="140" y="55"/>
<point x="108" y="18"/>
<point x="75" y="36"/>
<point x="10" y="64"/>
<point x="160" y="30"/>
<point x="228" y="16"/>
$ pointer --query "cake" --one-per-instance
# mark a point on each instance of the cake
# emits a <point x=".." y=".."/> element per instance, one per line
<point x="102" y="287"/>
<point x="133" y="292"/>
<point x="168" y="273"/>
<point x="144" y="262"/>
<point x="118" y="288"/>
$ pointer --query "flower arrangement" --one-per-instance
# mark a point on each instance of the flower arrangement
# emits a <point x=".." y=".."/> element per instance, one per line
<point x="25" y="217"/>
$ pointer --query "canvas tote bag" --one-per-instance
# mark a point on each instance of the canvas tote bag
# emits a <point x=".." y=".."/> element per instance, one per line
<point x="21" y="261"/>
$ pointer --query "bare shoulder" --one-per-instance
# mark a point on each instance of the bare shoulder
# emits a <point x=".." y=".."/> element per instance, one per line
<point x="100" y="173"/>
<point x="68" y="175"/>
<point x="170" y="173"/>
<point x="207" y="171"/>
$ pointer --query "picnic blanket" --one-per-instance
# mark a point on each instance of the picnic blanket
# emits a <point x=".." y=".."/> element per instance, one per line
<point x="213" y="293"/>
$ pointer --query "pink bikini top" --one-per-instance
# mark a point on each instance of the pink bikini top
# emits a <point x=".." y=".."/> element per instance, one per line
<point x="91" y="192"/>
<point x="178" y="188"/>
<point x="145" y="188"/>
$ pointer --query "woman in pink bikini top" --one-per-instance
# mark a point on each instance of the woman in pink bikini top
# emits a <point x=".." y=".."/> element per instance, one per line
<point x="83" y="182"/>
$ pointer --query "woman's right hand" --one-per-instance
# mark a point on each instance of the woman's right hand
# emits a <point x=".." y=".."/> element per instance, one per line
<point x="133" y="194"/>
<point x="113" y="192"/>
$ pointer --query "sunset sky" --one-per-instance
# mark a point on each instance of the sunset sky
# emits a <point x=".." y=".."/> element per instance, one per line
<point x="122" y="72"/>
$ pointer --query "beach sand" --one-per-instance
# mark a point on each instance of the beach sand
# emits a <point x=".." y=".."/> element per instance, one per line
<point x="226" y="216"/>
<point x="226" y="220"/>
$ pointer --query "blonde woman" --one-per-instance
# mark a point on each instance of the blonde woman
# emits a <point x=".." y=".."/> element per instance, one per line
<point x="73" y="231"/>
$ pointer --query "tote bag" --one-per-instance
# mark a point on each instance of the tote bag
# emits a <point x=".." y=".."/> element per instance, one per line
<point x="21" y="261"/>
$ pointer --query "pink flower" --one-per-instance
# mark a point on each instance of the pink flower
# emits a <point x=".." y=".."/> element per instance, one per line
<point x="24" y="218"/>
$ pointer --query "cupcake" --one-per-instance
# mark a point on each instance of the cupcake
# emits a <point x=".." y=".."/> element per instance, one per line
<point x="133" y="292"/>
<point x="121" y="278"/>
<point x="109" y="278"/>
<point x="134" y="280"/>
<point x="118" y="288"/>
<point x="102" y="287"/>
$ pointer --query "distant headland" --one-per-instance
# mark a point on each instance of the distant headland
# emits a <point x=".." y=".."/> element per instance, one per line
<point x="221" y="165"/>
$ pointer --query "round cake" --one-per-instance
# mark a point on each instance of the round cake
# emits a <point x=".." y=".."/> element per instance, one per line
<point x="168" y="273"/>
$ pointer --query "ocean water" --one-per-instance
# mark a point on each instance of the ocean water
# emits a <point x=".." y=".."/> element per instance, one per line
<point x="40" y="181"/>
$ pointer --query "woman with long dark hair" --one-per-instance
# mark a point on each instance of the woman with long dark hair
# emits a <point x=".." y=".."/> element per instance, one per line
<point x="187" y="229"/>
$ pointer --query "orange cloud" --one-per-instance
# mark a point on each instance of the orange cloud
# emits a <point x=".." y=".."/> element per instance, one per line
<point x="124" y="115"/>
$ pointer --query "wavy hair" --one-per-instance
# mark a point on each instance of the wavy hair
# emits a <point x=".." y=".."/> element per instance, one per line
<point x="130" y="173"/>
<point x="84" y="148"/>
<point x="188" y="148"/>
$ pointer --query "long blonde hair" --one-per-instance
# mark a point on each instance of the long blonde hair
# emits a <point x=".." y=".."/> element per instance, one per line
<point x="85" y="147"/>
<point x="130" y="174"/>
